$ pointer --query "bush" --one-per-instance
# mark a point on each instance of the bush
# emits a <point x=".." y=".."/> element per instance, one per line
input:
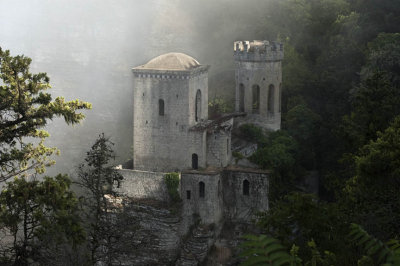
<point x="253" y="133"/>
<point x="172" y="182"/>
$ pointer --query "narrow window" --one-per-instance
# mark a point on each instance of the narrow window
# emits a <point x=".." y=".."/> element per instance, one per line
<point x="271" y="92"/>
<point x="241" y="97"/>
<point x="227" y="146"/>
<point x="280" y="96"/>
<point x="198" y="106"/>
<point x="195" y="161"/>
<point x="201" y="189"/>
<point x="188" y="194"/>
<point x="161" y="107"/>
<point x="256" y="99"/>
<point x="246" y="187"/>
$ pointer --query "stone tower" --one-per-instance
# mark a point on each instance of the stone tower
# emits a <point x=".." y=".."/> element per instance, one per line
<point x="258" y="73"/>
<point x="170" y="96"/>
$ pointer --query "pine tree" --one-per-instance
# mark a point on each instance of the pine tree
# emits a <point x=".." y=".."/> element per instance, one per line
<point x="25" y="109"/>
<point x="107" y="223"/>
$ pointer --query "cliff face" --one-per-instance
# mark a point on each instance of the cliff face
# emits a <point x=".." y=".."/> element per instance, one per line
<point x="164" y="237"/>
<point x="158" y="237"/>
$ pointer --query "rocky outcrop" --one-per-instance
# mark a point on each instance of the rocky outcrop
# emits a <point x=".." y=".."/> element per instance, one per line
<point x="158" y="236"/>
<point x="196" y="247"/>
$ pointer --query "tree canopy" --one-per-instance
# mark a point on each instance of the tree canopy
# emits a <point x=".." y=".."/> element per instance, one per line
<point x="25" y="109"/>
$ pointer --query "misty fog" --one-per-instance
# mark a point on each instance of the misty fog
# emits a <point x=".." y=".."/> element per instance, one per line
<point x="89" y="47"/>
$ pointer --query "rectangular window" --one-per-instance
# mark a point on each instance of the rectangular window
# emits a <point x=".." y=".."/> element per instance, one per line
<point x="187" y="194"/>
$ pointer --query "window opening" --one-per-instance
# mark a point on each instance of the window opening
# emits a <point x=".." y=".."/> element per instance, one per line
<point x="198" y="106"/>
<point x="271" y="92"/>
<point x="256" y="99"/>
<point x="161" y="107"/>
<point x="241" y="97"/>
<point x="195" y="161"/>
<point x="201" y="189"/>
<point x="246" y="187"/>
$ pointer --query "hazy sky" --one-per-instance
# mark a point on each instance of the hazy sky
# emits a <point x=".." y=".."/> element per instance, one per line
<point x="88" y="48"/>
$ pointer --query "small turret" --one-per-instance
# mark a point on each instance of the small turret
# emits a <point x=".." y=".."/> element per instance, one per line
<point x="259" y="82"/>
<point x="258" y="51"/>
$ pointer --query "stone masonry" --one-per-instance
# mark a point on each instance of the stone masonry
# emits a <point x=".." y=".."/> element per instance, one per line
<point x="258" y="74"/>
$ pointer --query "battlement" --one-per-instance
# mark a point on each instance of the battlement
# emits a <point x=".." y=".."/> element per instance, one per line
<point x="258" y="51"/>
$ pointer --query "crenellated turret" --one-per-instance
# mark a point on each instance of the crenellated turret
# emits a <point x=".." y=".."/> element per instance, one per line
<point x="258" y="51"/>
<point x="258" y="76"/>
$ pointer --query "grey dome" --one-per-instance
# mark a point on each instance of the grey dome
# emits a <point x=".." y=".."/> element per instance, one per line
<point x="172" y="61"/>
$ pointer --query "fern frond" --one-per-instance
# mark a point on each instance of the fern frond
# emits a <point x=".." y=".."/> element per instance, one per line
<point x="264" y="250"/>
<point x="372" y="246"/>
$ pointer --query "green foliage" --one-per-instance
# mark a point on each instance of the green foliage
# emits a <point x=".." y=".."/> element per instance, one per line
<point x="371" y="196"/>
<point x="252" y="133"/>
<point x="384" y="56"/>
<point x="380" y="252"/>
<point x="237" y="155"/>
<point x="303" y="125"/>
<point x="341" y="88"/>
<point x="264" y="250"/>
<point x="105" y="221"/>
<point x="278" y="153"/>
<point x="299" y="217"/>
<point x="375" y="105"/>
<point x="217" y="107"/>
<point x="39" y="216"/>
<point x="25" y="109"/>
<point x="172" y="181"/>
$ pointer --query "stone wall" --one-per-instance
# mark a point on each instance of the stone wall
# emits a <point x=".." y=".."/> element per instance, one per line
<point x="240" y="206"/>
<point x="158" y="140"/>
<point x="218" y="148"/>
<point x="157" y="236"/>
<point x="143" y="185"/>
<point x="208" y="207"/>
<point x="265" y="72"/>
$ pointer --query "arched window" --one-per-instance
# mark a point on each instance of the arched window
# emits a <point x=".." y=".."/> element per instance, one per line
<point x="161" y="107"/>
<point x="241" y="97"/>
<point x="246" y="187"/>
<point x="198" y="106"/>
<point x="271" y="92"/>
<point x="256" y="99"/>
<point x="202" y="189"/>
<point x="280" y="96"/>
<point x="195" y="161"/>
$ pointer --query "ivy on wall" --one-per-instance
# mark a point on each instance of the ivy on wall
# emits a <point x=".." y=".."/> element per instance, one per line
<point x="172" y="182"/>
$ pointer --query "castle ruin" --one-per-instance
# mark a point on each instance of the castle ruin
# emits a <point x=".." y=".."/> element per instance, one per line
<point x="172" y="132"/>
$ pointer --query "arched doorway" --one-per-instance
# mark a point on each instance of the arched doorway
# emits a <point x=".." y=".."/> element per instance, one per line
<point x="195" y="161"/>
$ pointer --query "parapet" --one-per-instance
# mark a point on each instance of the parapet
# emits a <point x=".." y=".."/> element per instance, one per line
<point x="260" y="51"/>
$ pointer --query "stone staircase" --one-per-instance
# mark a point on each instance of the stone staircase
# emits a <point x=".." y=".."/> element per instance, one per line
<point x="195" y="248"/>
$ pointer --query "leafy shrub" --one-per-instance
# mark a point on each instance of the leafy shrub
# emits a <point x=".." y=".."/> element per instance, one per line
<point x="172" y="182"/>
<point x="252" y="133"/>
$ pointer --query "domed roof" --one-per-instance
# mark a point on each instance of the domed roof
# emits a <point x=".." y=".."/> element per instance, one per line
<point x="172" y="61"/>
